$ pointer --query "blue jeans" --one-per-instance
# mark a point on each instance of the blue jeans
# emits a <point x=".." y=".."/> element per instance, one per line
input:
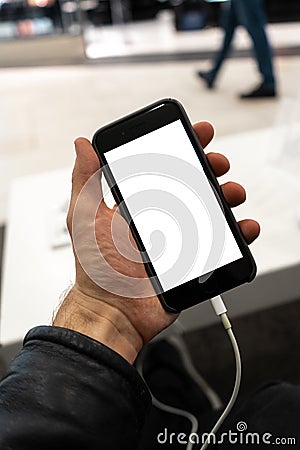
<point x="249" y="14"/>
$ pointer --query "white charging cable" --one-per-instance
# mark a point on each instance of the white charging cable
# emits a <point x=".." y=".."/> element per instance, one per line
<point x="221" y="310"/>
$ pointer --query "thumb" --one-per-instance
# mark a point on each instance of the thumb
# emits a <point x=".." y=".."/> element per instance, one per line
<point x="86" y="164"/>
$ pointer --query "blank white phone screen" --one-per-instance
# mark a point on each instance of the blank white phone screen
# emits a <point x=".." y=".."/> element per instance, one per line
<point x="173" y="206"/>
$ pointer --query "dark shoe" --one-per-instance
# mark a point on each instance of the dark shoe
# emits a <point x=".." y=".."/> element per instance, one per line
<point x="182" y="400"/>
<point x="207" y="78"/>
<point x="168" y="370"/>
<point x="261" y="91"/>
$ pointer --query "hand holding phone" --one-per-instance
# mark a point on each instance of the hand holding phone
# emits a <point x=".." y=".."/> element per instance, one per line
<point x="189" y="241"/>
<point x="147" y="316"/>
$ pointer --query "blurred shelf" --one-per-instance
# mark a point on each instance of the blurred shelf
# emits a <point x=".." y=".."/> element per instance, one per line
<point x="44" y="50"/>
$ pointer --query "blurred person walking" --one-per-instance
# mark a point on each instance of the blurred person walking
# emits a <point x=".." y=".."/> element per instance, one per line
<point x="250" y="14"/>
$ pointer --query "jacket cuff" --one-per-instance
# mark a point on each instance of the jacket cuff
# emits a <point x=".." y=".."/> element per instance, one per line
<point x="100" y="353"/>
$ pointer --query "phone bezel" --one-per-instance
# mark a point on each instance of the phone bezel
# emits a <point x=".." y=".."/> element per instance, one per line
<point x="136" y="125"/>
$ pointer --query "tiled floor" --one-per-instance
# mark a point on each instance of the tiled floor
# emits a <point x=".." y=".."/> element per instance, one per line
<point x="42" y="110"/>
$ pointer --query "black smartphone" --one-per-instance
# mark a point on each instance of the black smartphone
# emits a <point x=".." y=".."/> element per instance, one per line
<point x="191" y="244"/>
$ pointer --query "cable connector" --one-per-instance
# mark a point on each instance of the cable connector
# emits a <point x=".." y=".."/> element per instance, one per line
<point x="225" y="321"/>
<point x="218" y="305"/>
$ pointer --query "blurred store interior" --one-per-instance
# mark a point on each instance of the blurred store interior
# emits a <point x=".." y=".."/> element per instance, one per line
<point x="69" y="66"/>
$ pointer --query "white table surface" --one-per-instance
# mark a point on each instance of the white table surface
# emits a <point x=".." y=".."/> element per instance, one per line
<point x="35" y="276"/>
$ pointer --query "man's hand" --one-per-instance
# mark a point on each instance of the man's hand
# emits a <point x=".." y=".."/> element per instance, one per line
<point x="123" y="323"/>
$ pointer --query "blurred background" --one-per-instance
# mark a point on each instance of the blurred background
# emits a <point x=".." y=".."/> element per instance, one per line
<point x="69" y="66"/>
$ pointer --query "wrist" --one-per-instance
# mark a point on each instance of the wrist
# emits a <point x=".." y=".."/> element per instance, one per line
<point x="101" y="321"/>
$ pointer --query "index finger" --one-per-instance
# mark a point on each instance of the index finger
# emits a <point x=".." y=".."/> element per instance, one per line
<point x="205" y="132"/>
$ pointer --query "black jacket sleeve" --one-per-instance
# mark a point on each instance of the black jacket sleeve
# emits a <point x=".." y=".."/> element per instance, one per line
<point x="67" y="391"/>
